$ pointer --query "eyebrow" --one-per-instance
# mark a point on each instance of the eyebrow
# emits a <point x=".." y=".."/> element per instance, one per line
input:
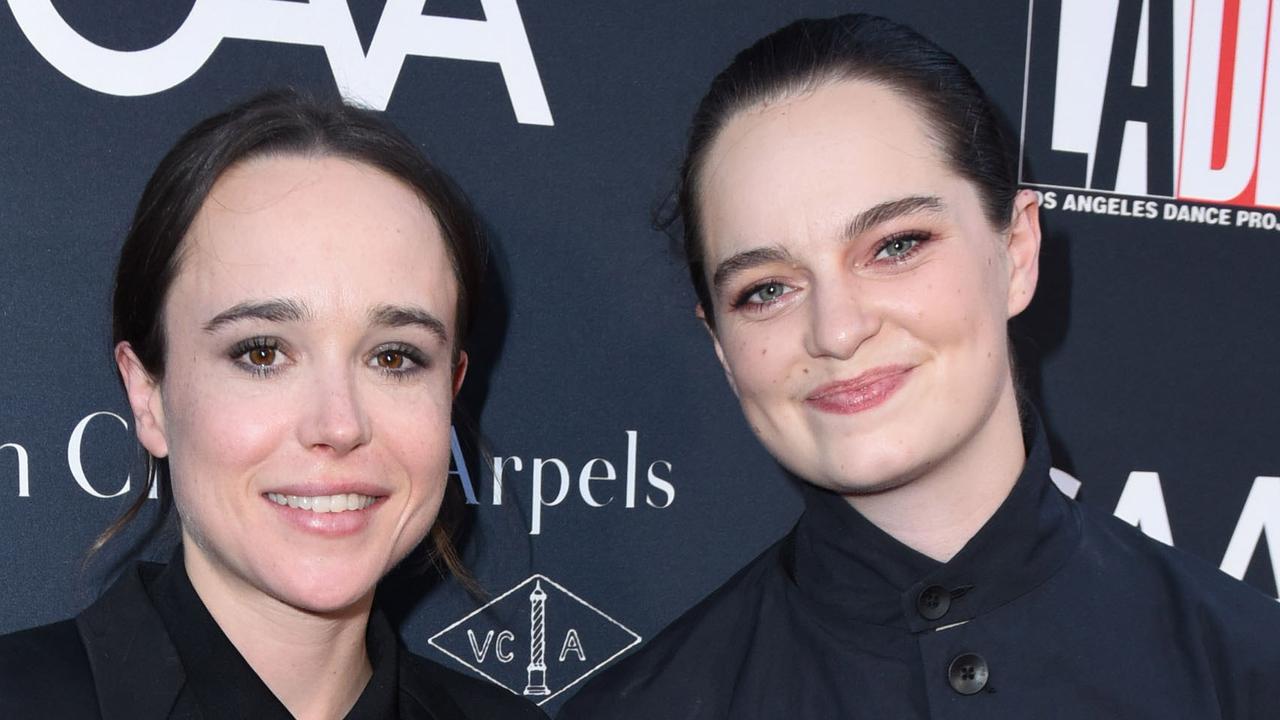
<point x="407" y="316"/>
<point x="890" y="209"/>
<point x="745" y="261"/>
<point x="861" y="222"/>
<point x="273" y="310"/>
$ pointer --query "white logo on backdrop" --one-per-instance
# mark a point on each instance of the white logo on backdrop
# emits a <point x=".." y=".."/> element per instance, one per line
<point x="1157" y="100"/>
<point x="631" y="481"/>
<point x="368" y="79"/>
<point x="73" y="455"/>
<point x="1142" y="505"/>
<point x="642" y="483"/>
<point x="1141" y="502"/>
<point x="492" y="639"/>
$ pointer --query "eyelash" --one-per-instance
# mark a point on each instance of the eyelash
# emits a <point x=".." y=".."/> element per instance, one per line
<point x="743" y="301"/>
<point x="919" y="237"/>
<point x="244" y="347"/>
<point x="248" y="345"/>
<point x="408" y="352"/>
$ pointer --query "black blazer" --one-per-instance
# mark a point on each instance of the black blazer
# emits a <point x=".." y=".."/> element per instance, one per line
<point x="116" y="661"/>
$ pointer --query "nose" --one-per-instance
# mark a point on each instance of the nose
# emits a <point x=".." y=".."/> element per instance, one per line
<point x="839" y="320"/>
<point x="336" y="416"/>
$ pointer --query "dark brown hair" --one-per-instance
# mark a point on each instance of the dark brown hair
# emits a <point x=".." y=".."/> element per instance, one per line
<point x="810" y="53"/>
<point x="281" y="122"/>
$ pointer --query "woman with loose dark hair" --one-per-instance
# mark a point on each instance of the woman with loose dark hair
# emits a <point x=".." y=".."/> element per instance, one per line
<point x="289" y="314"/>
<point x="857" y="244"/>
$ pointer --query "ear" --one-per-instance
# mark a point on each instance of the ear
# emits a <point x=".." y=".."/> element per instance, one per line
<point x="459" y="372"/>
<point x="1023" y="251"/>
<point x="144" y="399"/>
<point x="715" y="341"/>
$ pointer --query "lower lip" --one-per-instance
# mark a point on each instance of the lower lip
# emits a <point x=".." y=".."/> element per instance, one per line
<point x="861" y="398"/>
<point x="341" y="524"/>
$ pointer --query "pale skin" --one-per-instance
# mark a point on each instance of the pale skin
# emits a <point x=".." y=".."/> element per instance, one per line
<point x="839" y="246"/>
<point x="310" y="352"/>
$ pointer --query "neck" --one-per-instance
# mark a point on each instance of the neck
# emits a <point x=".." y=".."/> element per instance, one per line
<point x="938" y="512"/>
<point x="315" y="663"/>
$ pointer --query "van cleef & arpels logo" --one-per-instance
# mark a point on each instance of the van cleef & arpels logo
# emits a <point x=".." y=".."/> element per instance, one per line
<point x="537" y="639"/>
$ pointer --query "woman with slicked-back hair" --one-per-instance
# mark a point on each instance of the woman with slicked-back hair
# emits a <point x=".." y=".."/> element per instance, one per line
<point x="857" y="243"/>
<point x="289" y="315"/>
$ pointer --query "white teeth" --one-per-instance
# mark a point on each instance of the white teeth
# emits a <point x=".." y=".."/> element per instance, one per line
<point x="341" y="502"/>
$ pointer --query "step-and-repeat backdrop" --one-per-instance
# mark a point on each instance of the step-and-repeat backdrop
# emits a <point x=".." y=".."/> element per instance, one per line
<point x="622" y="478"/>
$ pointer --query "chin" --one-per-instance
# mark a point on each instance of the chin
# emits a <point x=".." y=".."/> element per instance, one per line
<point x="858" y="487"/>
<point x="854" y="471"/>
<point x="325" y="600"/>
<point x="323" y="593"/>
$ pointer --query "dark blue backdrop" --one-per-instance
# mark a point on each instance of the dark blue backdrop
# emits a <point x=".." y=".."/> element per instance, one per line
<point x="1151" y="346"/>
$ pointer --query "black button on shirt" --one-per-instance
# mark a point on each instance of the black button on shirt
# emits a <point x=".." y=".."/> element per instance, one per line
<point x="934" y="602"/>
<point x="1052" y="611"/>
<point x="968" y="674"/>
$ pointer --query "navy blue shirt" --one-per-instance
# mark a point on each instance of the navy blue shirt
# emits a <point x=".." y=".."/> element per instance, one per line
<point x="1050" y="611"/>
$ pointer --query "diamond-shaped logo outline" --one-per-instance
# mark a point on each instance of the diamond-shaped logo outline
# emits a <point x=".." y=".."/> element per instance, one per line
<point x="524" y="583"/>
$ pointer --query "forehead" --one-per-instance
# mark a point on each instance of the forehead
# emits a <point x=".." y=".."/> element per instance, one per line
<point x="338" y="233"/>
<point x="805" y="164"/>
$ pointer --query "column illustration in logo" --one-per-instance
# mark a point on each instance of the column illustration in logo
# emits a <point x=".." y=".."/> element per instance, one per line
<point x="537" y="684"/>
<point x="569" y="639"/>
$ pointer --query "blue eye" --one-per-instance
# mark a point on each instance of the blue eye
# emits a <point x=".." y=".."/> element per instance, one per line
<point x="762" y="295"/>
<point x="768" y="292"/>
<point x="899" y="247"/>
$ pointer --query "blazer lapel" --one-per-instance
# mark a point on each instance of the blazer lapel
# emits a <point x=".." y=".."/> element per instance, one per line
<point x="136" y="670"/>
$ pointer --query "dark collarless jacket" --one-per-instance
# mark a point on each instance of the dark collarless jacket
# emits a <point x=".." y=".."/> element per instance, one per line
<point x="1051" y="611"/>
<point x="123" y="659"/>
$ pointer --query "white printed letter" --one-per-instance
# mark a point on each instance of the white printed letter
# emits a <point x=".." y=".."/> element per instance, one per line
<point x="1261" y="514"/>
<point x="24" y="469"/>
<point x="1142" y="505"/>
<point x="73" y="456"/>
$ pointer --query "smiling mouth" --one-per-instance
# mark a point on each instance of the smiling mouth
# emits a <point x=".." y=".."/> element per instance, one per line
<point x="342" y="502"/>
<point x="864" y="392"/>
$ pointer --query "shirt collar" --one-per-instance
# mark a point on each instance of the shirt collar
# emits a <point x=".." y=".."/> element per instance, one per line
<point x="223" y="683"/>
<point x="854" y="570"/>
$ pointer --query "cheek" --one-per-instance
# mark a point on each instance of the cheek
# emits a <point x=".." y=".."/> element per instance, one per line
<point x="224" y="430"/>
<point x="414" y="431"/>
<point x="425" y="455"/>
<point x="963" y="329"/>
<point x="956" y="306"/>
<point x="764" y="357"/>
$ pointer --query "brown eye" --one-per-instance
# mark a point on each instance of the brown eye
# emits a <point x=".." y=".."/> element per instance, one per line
<point x="390" y="359"/>
<point x="263" y="356"/>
